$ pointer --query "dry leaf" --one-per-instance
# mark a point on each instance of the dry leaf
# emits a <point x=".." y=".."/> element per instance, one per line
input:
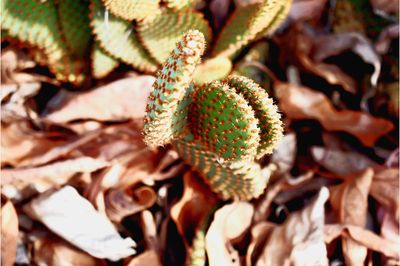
<point x="13" y="62"/>
<point x="300" y="240"/>
<point x="303" y="103"/>
<point x="385" y="189"/>
<point x="390" y="228"/>
<point x="363" y="237"/>
<point x="386" y="37"/>
<point x="194" y="206"/>
<point x="9" y="233"/>
<point x="335" y="44"/>
<point x="55" y="173"/>
<point x="385" y="6"/>
<point x="73" y="218"/>
<point x="119" y="100"/>
<point x="229" y="225"/>
<point x="121" y="203"/>
<point x="147" y="258"/>
<point x="285" y="154"/>
<point x="19" y="143"/>
<point x="306" y="9"/>
<point x="350" y="202"/>
<point x="342" y="163"/>
<point x="259" y="236"/>
<point x="54" y="251"/>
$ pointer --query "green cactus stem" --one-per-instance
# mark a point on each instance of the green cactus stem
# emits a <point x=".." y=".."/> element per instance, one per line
<point x="165" y="118"/>
<point x="218" y="128"/>
<point x="133" y="9"/>
<point x="102" y="63"/>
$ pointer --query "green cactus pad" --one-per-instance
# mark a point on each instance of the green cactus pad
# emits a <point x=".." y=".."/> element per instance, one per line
<point x="264" y="109"/>
<point x="198" y="251"/>
<point x="222" y="121"/>
<point x="247" y="22"/>
<point x="216" y="68"/>
<point x="102" y="63"/>
<point x="36" y="25"/>
<point x="166" y="118"/>
<point x="74" y="19"/>
<point x="133" y="9"/>
<point x="242" y="180"/>
<point x="117" y="37"/>
<point x="160" y="35"/>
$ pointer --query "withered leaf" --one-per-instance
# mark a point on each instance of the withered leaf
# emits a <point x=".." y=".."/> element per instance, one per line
<point x="229" y="224"/>
<point x="300" y="240"/>
<point x="350" y="202"/>
<point x="363" y="237"/>
<point x="303" y="103"/>
<point x="9" y="233"/>
<point x="119" y="100"/>
<point x="79" y="223"/>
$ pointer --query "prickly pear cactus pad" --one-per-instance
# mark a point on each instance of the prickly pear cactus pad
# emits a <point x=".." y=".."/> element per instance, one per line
<point x="117" y="37"/>
<point x="161" y="34"/>
<point x="173" y="80"/>
<point x="219" y="128"/>
<point x="222" y="121"/>
<point x="247" y="22"/>
<point x="102" y="63"/>
<point x="133" y="9"/>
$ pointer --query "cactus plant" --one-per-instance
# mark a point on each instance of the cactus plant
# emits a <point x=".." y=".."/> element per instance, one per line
<point x="133" y="9"/>
<point x="219" y="128"/>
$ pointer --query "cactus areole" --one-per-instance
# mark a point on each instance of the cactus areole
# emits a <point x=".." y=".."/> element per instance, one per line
<point x="219" y="128"/>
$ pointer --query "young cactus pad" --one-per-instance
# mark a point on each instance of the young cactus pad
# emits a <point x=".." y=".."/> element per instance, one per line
<point x="219" y="128"/>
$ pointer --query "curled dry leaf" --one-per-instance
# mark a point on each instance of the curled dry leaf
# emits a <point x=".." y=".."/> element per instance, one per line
<point x="363" y="237"/>
<point x="14" y="108"/>
<point x="385" y="189"/>
<point x="19" y="143"/>
<point x="385" y="38"/>
<point x="9" y="233"/>
<point x="260" y="233"/>
<point x="54" y="251"/>
<point x="300" y="240"/>
<point x="121" y="203"/>
<point x="390" y="228"/>
<point x="56" y="173"/>
<point x="306" y="9"/>
<point x="303" y="103"/>
<point x="13" y="62"/>
<point x="285" y="154"/>
<point x="112" y="102"/>
<point x="350" y="202"/>
<point x="79" y="223"/>
<point x="194" y="206"/>
<point x="342" y="163"/>
<point x="334" y="44"/>
<point x="229" y="225"/>
<point x="385" y="6"/>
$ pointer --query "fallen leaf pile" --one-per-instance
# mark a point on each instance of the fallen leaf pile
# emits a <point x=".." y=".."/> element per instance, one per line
<point x="80" y="187"/>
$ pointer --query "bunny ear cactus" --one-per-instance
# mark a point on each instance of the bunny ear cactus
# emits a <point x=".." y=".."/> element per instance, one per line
<point x="133" y="9"/>
<point x="246" y="23"/>
<point x="219" y="128"/>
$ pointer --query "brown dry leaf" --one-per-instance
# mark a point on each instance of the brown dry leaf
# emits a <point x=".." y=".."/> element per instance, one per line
<point x="259" y="236"/>
<point x="121" y="203"/>
<point x="54" y="251"/>
<point x="19" y="143"/>
<point x="192" y="209"/>
<point x="147" y="258"/>
<point x="306" y="9"/>
<point x="299" y="102"/>
<point x="300" y="240"/>
<point x="350" y="202"/>
<point x="119" y="100"/>
<point x="385" y="38"/>
<point x="285" y="154"/>
<point x="56" y="173"/>
<point x="14" y="108"/>
<point x="335" y="44"/>
<point x="385" y="189"/>
<point x="342" y="163"/>
<point x="13" y="62"/>
<point x="219" y="10"/>
<point x="299" y="44"/>
<point x="386" y="6"/>
<point x="390" y="228"/>
<point x="79" y="223"/>
<point x="230" y="224"/>
<point x="363" y="237"/>
<point x="9" y="233"/>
